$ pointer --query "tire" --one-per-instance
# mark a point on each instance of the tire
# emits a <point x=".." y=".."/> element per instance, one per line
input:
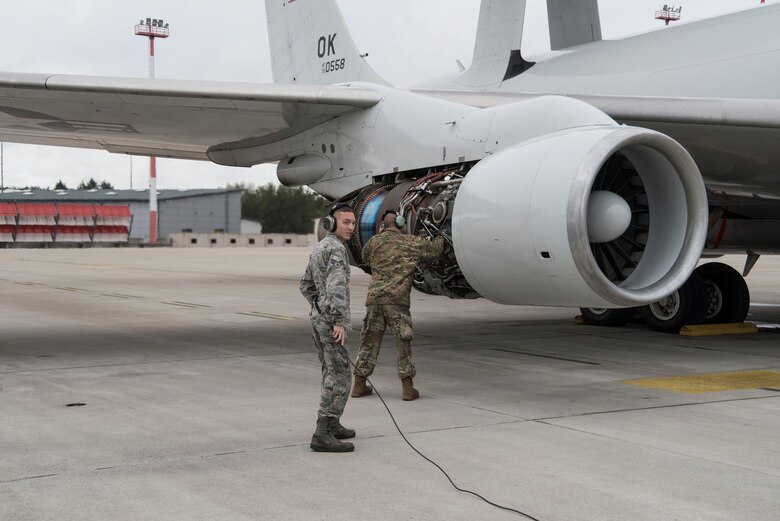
<point x="607" y="317"/>
<point x="683" y="307"/>
<point x="727" y="297"/>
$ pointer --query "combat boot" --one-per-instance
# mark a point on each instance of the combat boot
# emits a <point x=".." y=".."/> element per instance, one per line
<point x="410" y="393"/>
<point x="361" y="388"/>
<point x="339" y="431"/>
<point x="323" y="441"/>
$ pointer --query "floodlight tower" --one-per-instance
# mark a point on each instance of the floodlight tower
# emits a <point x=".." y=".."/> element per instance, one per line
<point x="668" y="13"/>
<point x="152" y="28"/>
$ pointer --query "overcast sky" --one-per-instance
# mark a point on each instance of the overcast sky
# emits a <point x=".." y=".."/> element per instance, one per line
<point x="407" y="40"/>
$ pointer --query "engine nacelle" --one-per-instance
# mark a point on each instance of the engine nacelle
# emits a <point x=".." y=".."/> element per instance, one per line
<point x="521" y="219"/>
<point x="592" y="216"/>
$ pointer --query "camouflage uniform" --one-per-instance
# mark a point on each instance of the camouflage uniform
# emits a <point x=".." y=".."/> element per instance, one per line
<point x="392" y="257"/>
<point x="325" y="284"/>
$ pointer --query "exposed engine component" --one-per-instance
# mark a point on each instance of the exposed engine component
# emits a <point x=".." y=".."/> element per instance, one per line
<point x="427" y="205"/>
<point x="601" y="216"/>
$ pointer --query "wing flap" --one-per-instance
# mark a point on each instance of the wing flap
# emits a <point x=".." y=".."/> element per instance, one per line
<point x="172" y="118"/>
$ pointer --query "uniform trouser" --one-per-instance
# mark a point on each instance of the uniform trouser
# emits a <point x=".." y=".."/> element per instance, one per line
<point x="378" y="318"/>
<point x="336" y="378"/>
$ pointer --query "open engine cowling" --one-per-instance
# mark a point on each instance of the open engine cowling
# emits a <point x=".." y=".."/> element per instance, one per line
<point x="520" y="223"/>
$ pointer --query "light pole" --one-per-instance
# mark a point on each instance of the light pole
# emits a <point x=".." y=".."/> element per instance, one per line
<point x="152" y="28"/>
<point x="668" y="14"/>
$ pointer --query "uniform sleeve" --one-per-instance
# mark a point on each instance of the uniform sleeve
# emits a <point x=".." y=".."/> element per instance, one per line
<point x="429" y="249"/>
<point x="336" y="286"/>
<point x="368" y="251"/>
<point x="307" y="286"/>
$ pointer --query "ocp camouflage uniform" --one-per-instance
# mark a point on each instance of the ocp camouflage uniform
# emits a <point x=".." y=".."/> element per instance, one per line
<point x="325" y="284"/>
<point x="392" y="257"/>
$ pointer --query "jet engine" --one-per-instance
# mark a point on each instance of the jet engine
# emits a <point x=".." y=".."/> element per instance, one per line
<point x="598" y="216"/>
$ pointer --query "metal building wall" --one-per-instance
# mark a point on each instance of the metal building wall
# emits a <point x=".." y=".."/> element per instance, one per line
<point x="201" y="214"/>
<point x="139" y="227"/>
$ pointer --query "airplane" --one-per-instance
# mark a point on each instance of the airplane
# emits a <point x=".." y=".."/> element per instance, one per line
<point x="596" y="176"/>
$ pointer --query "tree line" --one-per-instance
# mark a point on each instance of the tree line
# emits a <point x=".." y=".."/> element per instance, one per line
<point x="86" y="185"/>
<point x="281" y="209"/>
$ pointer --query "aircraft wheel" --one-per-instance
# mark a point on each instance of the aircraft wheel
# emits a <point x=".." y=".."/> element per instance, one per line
<point x="727" y="295"/>
<point x="684" y="306"/>
<point x="607" y="317"/>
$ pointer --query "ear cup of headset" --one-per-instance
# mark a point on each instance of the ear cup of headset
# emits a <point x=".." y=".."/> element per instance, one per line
<point x="329" y="223"/>
<point x="399" y="220"/>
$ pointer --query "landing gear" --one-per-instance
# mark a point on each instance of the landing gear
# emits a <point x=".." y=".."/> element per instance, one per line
<point x="685" y="306"/>
<point x="607" y="317"/>
<point x="728" y="297"/>
<point x="715" y="293"/>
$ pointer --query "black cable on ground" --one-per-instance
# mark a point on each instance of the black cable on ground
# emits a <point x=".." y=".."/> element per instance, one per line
<point x="426" y="458"/>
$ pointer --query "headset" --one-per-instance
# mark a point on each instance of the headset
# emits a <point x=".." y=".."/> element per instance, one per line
<point x="400" y="222"/>
<point x="329" y="221"/>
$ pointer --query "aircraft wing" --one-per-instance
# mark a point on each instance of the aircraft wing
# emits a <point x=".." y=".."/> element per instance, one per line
<point x="710" y="111"/>
<point x="166" y="118"/>
<point x="734" y="141"/>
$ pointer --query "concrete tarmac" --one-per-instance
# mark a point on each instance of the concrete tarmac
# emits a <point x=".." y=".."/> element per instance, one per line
<point x="162" y="384"/>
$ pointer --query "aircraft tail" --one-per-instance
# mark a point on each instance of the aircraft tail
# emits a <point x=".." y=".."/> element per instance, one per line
<point x="310" y="44"/>
<point x="497" y="55"/>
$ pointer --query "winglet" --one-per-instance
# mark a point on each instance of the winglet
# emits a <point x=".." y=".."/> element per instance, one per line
<point x="310" y="44"/>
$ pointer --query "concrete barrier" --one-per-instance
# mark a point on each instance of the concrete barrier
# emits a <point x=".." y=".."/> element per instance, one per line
<point x="235" y="240"/>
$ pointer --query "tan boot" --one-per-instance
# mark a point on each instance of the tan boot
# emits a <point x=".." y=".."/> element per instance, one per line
<point x="361" y="388"/>
<point x="410" y="393"/>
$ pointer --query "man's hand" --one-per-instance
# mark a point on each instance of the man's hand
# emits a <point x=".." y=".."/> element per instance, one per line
<point x="339" y="334"/>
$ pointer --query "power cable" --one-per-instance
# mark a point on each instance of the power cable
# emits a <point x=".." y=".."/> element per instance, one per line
<point x="429" y="460"/>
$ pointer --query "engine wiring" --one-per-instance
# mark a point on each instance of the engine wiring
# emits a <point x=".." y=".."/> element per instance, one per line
<point x="432" y="462"/>
<point x="427" y="225"/>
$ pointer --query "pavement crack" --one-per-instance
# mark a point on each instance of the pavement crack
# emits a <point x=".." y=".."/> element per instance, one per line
<point x="540" y="355"/>
<point x="159" y="461"/>
<point x="478" y="408"/>
<point x="29" y="478"/>
<point x="171" y="361"/>
<point x="669" y="406"/>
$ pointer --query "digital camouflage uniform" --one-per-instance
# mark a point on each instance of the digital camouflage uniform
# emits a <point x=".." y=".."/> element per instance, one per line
<point x="325" y="284"/>
<point x="392" y="257"/>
